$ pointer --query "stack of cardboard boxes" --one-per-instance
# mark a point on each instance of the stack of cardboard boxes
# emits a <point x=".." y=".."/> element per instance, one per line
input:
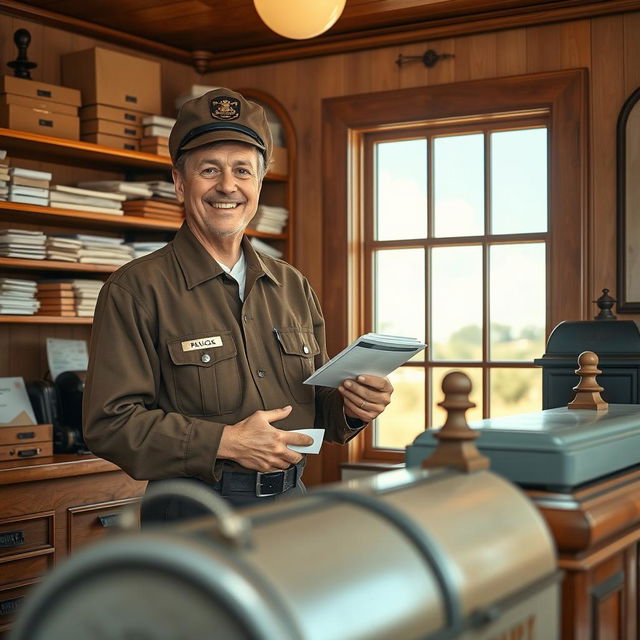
<point x="118" y="91"/>
<point x="38" y="107"/>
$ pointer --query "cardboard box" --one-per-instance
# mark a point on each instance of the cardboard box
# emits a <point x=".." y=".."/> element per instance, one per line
<point x="113" y="79"/>
<point x="37" y="103"/>
<point x="111" y="128"/>
<point x="279" y="161"/>
<point x="104" y="112"/>
<point x="47" y="123"/>
<point x="40" y="90"/>
<point x="117" y="142"/>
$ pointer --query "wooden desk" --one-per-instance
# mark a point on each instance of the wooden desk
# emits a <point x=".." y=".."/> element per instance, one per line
<point x="597" y="531"/>
<point x="49" y="507"/>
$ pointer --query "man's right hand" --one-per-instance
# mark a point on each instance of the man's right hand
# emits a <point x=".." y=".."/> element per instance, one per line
<point x="255" y="444"/>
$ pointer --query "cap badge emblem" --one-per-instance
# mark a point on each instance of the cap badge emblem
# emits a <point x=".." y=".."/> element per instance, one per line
<point x="224" y="108"/>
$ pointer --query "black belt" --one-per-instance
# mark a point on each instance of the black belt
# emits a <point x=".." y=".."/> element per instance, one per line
<point x="262" y="484"/>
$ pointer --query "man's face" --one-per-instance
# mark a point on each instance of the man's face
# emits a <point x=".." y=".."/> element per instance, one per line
<point x="220" y="187"/>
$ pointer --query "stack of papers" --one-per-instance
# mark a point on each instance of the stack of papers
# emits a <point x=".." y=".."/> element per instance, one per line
<point x="157" y="126"/>
<point x="28" y="186"/>
<point x="90" y="200"/>
<point x="373" y="354"/>
<point x="17" y="297"/>
<point x="269" y="219"/>
<point x="4" y="175"/>
<point x="18" y="243"/>
<point x="265" y="247"/>
<point x="56" y="299"/>
<point x="131" y="190"/>
<point x="63" y="248"/>
<point x="145" y="248"/>
<point x="103" y="250"/>
<point x="86" y="292"/>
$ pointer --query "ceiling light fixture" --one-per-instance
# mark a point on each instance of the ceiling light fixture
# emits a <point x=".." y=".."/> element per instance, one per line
<point x="299" y="20"/>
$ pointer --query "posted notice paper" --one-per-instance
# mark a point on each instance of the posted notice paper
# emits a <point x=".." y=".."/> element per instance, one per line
<point x="66" y="355"/>
<point x="375" y="354"/>
<point x="15" y="406"/>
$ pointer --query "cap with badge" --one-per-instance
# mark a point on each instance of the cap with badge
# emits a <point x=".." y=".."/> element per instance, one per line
<point x="220" y="115"/>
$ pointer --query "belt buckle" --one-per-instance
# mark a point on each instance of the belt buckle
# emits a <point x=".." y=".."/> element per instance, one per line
<point x="269" y="475"/>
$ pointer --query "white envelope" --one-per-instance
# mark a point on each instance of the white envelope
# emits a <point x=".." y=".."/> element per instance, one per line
<point x="316" y="434"/>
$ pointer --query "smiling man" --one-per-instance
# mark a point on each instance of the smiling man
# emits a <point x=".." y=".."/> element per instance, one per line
<point x="199" y="350"/>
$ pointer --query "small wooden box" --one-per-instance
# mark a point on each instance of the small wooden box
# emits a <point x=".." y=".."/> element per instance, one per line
<point x="279" y="161"/>
<point x="117" y="142"/>
<point x="104" y="112"/>
<point x="28" y="441"/>
<point x="50" y="94"/>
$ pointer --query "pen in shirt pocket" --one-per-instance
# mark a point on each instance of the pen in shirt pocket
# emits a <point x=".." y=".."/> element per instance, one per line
<point x="278" y="336"/>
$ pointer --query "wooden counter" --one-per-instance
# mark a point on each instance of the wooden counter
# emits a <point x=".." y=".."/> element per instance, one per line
<point x="50" y="507"/>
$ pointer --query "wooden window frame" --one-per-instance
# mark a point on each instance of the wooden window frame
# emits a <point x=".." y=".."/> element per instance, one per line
<point x="562" y="94"/>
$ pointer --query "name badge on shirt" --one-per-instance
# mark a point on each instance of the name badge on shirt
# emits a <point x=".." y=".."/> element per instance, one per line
<point x="202" y="343"/>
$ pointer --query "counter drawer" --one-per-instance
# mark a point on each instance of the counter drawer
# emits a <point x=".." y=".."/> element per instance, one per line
<point x="10" y="602"/>
<point x="91" y="522"/>
<point x="22" y="534"/>
<point x="25" y="569"/>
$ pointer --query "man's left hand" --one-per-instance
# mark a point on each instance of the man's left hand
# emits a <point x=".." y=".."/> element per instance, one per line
<point x="366" y="397"/>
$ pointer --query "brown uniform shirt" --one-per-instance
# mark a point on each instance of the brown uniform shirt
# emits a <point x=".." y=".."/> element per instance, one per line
<point x="175" y="355"/>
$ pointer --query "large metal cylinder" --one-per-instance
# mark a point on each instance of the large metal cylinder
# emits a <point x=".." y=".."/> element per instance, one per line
<point x="402" y="555"/>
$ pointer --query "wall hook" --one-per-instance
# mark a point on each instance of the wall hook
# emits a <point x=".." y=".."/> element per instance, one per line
<point x="429" y="58"/>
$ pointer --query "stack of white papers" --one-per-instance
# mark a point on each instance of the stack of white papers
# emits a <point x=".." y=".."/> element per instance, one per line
<point x="145" y="248"/>
<point x="18" y="297"/>
<point x="28" y="186"/>
<point x="131" y="190"/>
<point x="91" y="200"/>
<point x="63" y="248"/>
<point x="103" y="250"/>
<point x="18" y="243"/>
<point x="265" y="247"/>
<point x="4" y="175"/>
<point x="269" y="219"/>
<point x="373" y="354"/>
<point x="158" y="188"/>
<point x="85" y="293"/>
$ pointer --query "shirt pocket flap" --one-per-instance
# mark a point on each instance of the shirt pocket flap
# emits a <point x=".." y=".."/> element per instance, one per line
<point x="202" y="349"/>
<point x="299" y="342"/>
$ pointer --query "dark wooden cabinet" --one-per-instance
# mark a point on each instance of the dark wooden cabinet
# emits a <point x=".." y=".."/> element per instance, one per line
<point x="50" y="507"/>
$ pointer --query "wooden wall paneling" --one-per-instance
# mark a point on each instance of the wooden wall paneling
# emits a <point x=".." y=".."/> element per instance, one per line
<point x="558" y="46"/>
<point x="415" y="74"/>
<point x="56" y="43"/>
<point x="631" y="53"/>
<point x="607" y="97"/>
<point x="475" y="57"/>
<point x="371" y="71"/>
<point x="24" y="355"/>
<point x="511" y="52"/>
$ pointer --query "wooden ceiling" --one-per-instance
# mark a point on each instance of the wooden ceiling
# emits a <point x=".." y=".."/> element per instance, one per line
<point x="233" y="34"/>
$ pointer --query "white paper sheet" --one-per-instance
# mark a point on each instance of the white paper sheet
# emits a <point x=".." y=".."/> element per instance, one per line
<point x="66" y="355"/>
<point x="316" y="434"/>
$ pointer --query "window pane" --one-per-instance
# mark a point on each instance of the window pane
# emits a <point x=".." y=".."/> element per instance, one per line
<point x="403" y="419"/>
<point x="399" y="293"/>
<point x="458" y="163"/>
<point x="401" y="185"/>
<point x="517" y="295"/>
<point x="439" y="415"/>
<point x="456" y="303"/>
<point x="515" y="391"/>
<point x="519" y="181"/>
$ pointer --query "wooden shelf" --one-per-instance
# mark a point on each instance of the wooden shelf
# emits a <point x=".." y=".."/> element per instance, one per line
<point x="25" y="144"/>
<point x="55" y="265"/>
<point x="68" y="217"/>
<point x="5" y="319"/>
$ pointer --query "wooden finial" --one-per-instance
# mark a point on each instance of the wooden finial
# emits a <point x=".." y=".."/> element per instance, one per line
<point x="201" y="60"/>
<point x="588" y="390"/>
<point x="456" y="447"/>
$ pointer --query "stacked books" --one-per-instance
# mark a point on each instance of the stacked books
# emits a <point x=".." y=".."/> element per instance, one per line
<point x="17" y="297"/>
<point x="28" y="186"/>
<point x="155" y="135"/>
<point x="141" y="249"/>
<point x="63" y="248"/>
<point x="90" y="200"/>
<point x="86" y="295"/>
<point x="56" y="299"/>
<point x="103" y="250"/>
<point x="264" y="247"/>
<point x="269" y="219"/>
<point x="4" y="175"/>
<point x="130" y="190"/>
<point x="155" y="208"/>
<point x="18" y="243"/>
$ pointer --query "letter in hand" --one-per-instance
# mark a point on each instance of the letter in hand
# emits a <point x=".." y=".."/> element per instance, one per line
<point x="366" y="397"/>
<point x="255" y="444"/>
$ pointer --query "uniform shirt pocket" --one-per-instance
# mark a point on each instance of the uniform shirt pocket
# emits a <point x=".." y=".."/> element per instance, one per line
<point x="206" y="376"/>
<point x="298" y="348"/>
